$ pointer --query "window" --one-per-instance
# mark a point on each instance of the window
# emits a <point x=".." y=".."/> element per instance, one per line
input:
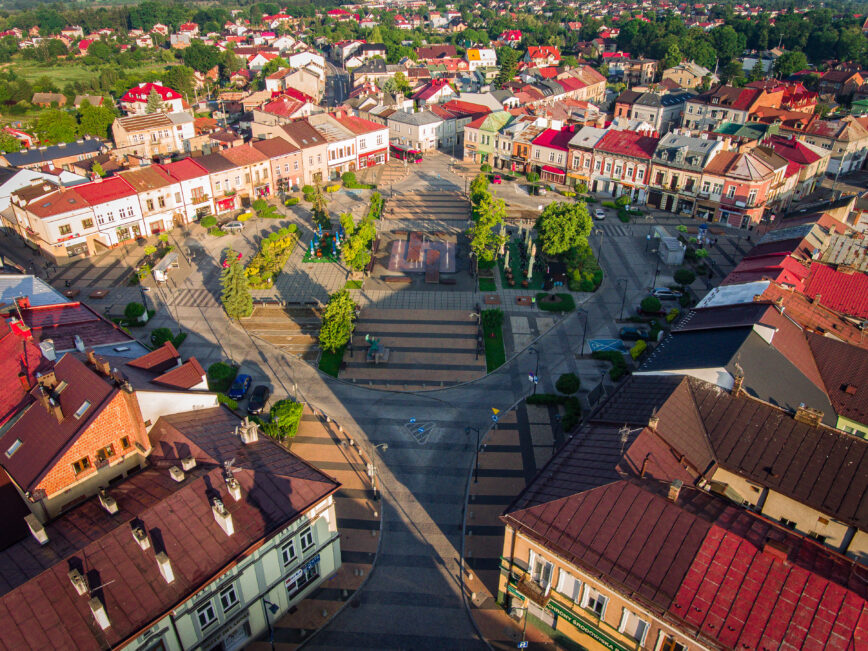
<point x="206" y="615"/>
<point x="86" y="223"/>
<point x="149" y="204"/>
<point x="287" y="553"/>
<point x="551" y="157"/>
<point x="380" y="139"/>
<point x="671" y="644"/>
<point x="161" y="201"/>
<point x="536" y="153"/>
<point x="306" y="539"/>
<point x="362" y="143"/>
<point x="297" y="581"/>
<point x="569" y="586"/>
<point x="65" y="229"/>
<point x="540" y="570"/>
<point x="238" y="180"/>
<point x="125" y="442"/>
<point x="594" y="601"/>
<point x="285" y="168"/>
<point x="608" y="167"/>
<point x="228" y="598"/>
<point x="618" y="170"/>
<point x="706" y="186"/>
<point x="633" y="626"/>
<point x="177" y="197"/>
<point x="295" y="164"/>
<point x="596" y="166"/>
<point x="319" y="159"/>
<point x="81" y="465"/>
<point x="751" y="197"/>
<point x="788" y="523"/>
<point x="217" y="185"/>
<point x="82" y="410"/>
<point x="103" y="454"/>
<point x="730" y="192"/>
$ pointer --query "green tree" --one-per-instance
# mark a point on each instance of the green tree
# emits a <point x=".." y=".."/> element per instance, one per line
<point x="285" y="416"/>
<point x="401" y="83"/>
<point x="154" y="103"/>
<point x="757" y="72"/>
<point x="507" y="58"/>
<point x="375" y="36"/>
<point x="732" y="73"/>
<point x="650" y="304"/>
<point x="95" y="120"/>
<point x="179" y="78"/>
<point x="9" y="143"/>
<point x="725" y="41"/>
<point x="55" y="126"/>
<point x="338" y="321"/>
<point x="478" y="188"/>
<point x="790" y="62"/>
<point x="673" y="57"/>
<point x="561" y="226"/>
<point x="235" y="297"/>
<point x="97" y="169"/>
<point x="201" y="57"/>
<point x="684" y="277"/>
<point x="357" y="245"/>
<point x="486" y="238"/>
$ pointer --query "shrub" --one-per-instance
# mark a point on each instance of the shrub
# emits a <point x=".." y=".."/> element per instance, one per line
<point x="485" y="167"/>
<point x="568" y="383"/>
<point x="348" y="179"/>
<point x="220" y="376"/>
<point x="619" y="364"/>
<point x="332" y="188"/>
<point x="608" y="204"/>
<point x="133" y="311"/>
<point x="217" y="232"/>
<point x="681" y="228"/>
<point x="308" y="197"/>
<point x="243" y="217"/>
<point x="533" y="177"/>
<point x="208" y="221"/>
<point x="650" y="304"/>
<point x="637" y="350"/>
<point x="159" y="336"/>
<point x="285" y="417"/>
<point x="292" y="201"/>
<point x="492" y="319"/>
<point x="684" y="300"/>
<point x="684" y="277"/>
<point x="555" y="302"/>
<point x="150" y="249"/>
<point x="567" y="193"/>
<point x="223" y="399"/>
<point x="672" y="315"/>
<point x="307" y="189"/>
<point x="623" y="200"/>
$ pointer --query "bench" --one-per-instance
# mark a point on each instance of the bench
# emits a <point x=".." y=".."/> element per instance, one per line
<point x="523" y="300"/>
<point x="492" y="299"/>
<point x="397" y="279"/>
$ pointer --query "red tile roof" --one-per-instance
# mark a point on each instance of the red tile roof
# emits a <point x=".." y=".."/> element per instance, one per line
<point x="284" y="106"/>
<point x="846" y="293"/>
<point x="105" y="190"/>
<point x="555" y="138"/>
<point x="628" y="143"/>
<point x="543" y="52"/>
<point x="704" y="561"/>
<point x="359" y="126"/>
<point x="467" y="108"/>
<point x="57" y="203"/>
<point x="844" y="369"/>
<point x="781" y="268"/>
<point x="184" y="169"/>
<point x="140" y="93"/>
<point x="159" y="360"/>
<point x="186" y="376"/>
<point x="793" y="150"/>
<point x="243" y="155"/>
<point x="18" y="355"/>
<point x="63" y="321"/>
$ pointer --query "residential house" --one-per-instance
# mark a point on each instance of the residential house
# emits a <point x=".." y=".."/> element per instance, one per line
<point x="302" y="80"/>
<point x="807" y="165"/>
<point x="13" y="178"/>
<point x="550" y="153"/>
<point x="255" y="170"/>
<point x="456" y="114"/>
<point x="581" y="154"/>
<point x="285" y="160"/>
<point x="839" y="83"/>
<point x="688" y="74"/>
<point x="676" y="171"/>
<point x="846" y="139"/>
<point x="662" y="112"/>
<point x="481" y="58"/>
<point x="115" y="206"/>
<point x="341" y="144"/>
<point x="432" y="53"/>
<point x="93" y="100"/>
<point x="416" y="130"/>
<point x="633" y="72"/>
<point x="622" y="164"/>
<point x="435" y="91"/>
<point x="372" y="140"/>
<point x="161" y="199"/>
<point x="281" y="110"/>
<point x="735" y="187"/>
<point x="843" y="369"/>
<point x="513" y="144"/>
<point x="225" y="180"/>
<point x="374" y="71"/>
<point x="135" y="100"/>
<point x="480" y="136"/>
<point x="196" y="194"/>
<point x="46" y="100"/>
<point x="542" y="55"/>
<point x="706" y="112"/>
<point x="314" y="149"/>
<point x="511" y="37"/>
<point x="62" y="156"/>
<point x="155" y="134"/>
<point x="593" y="84"/>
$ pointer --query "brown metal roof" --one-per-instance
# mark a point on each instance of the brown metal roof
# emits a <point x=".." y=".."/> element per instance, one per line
<point x="844" y="369"/>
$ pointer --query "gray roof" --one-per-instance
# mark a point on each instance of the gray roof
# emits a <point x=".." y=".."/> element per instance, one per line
<point x="48" y="154"/>
<point x="694" y="152"/>
<point x="375" y="66"/>
<point x="417" y="119"/>
<point x="587" y="137"/>
<point x="38" y="291"/>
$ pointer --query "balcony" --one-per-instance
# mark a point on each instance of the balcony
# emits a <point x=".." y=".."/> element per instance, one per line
<point x="533" y="591"/>
<point x="200" y="198"/>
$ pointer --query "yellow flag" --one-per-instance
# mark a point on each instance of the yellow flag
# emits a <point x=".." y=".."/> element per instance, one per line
<point x="495" y="410"/>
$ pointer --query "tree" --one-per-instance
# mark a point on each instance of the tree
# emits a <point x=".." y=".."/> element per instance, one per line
<point x="684" y="276"/>
<point x="507" y="57"/>
<point x="486" y="238"/>
<point x="757" y="72"/>
<point x="561" y="226"/>
<point x="790" y="62"/>
<point x="401" y="83"/>
<point x="9" y="143"/>
<point x="478" y="188"/>
<point x="375" y="36"/>
<point x="55" y="126"/>
<point x="155" y="102"/>
<point x="179" y="78"/>
<point x="650" y="304"/>
<point x="725" y="41"/>
<point x="235" y="297"/>
<point x="201" y="57"/>
<point x="338" y="321"/>
<point x="97" y="169"/>
<point x="285" y="417"/>
<point x="732" y="73"/>
<point x="95" y="120"/>
<point x="357" y="245"/>
<point x="673" y="57"/>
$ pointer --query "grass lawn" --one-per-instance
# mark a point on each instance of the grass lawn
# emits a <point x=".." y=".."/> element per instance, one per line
<point x="353" y="284"/>
<point x="536" y="281"/>
<point x="495" y="354"/>
<point x="564" y="302"/>
<point x="330" y="363"/>
<point x="487" y="285"/>
<point x="62" y="73"/>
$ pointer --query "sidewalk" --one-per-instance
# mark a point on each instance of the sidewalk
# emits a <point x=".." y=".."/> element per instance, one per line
<point x="323" y="444"/>
<point x="510" y="458"/>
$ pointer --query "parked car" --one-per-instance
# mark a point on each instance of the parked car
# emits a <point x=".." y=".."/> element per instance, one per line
<point x="497" y="179"/>
<point x="233" y="226"/>
<point x="664" y="293"/>
<point x="634" y="334"/>
<point x="599" y="213"/>
<point x="258" y="399"/>
<point x="240" y="387"/>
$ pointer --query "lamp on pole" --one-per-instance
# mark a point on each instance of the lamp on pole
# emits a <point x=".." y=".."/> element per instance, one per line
<point x="523" y="616"/>
<point x="534" y="377"/>
<point x="270" y="608"/>
<point x="623" y="297"/>
<point x="584" y="314"/>
<point x="467" y="431"/>
<point x="372" y="464"/>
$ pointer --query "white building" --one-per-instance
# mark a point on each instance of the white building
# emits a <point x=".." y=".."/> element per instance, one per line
<point x="116" y="208"/>
<point x="341" y="143"/>
<point x="416" y="130"/>
<point x="195" y="188"/>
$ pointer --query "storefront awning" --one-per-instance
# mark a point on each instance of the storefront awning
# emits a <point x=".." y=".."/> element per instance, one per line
<point x="553" y="170"/>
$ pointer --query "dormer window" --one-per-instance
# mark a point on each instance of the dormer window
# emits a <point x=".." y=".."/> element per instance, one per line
<point x="13" y="448"/>
<point x="82" y="410"/>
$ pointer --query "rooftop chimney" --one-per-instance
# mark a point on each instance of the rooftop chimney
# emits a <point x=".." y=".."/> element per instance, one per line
<point x="653" y="420"/>
<point x="103" y="366"/>
<point x="222" y="516"/>
<point x="165" y="567"/>
<point x="109" y="503"/>
<point x="24" y="380"/>
<point x="54" y="405"/>
<point x="776" y="549"/>
<point x="79" y="344"/>
<point x="99" y="613"/>
<point x="79" y="582"/>
<point x="248" y="431"/>
<point x="91" y="358"/>
<point x="47" y="379"/>
<point x="674" y="490"/>
<point x="36" y="529"/>
<point x="44" y="398"/>
<point x="47" y="348"/>
<point x="234" y="488"/>
<point x="188" y="463"/>
<point x="808" y="416"/>
<point x="176" y="473"/>
<point x="141" y="537"/>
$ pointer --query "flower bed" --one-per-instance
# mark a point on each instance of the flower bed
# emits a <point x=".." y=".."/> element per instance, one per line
<point x="273" y="253"/>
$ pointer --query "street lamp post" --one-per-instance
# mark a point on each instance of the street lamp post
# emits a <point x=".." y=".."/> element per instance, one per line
<point x="467" y="431"/>
<point x="535" y="377"/>
<point x="372" y="464"/>
<point x="270" y="608"/>
<point x="584" y="330"/>
<point x="623" y="297"/>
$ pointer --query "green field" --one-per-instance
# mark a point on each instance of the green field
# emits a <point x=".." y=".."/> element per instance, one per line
<point x="62" y="73"/>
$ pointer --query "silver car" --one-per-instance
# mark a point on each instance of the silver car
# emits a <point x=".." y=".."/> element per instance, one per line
<point x="233" y="226"/>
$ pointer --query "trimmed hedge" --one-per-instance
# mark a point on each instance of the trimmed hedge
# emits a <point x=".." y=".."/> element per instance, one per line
<point x="220" y="376"/>
<point x="565" y="303"/>
<point x="571" y="404"/>
<point x="568" y="383"/>
<point x="619" y="364"/>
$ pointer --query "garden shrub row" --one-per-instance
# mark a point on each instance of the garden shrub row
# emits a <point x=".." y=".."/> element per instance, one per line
<point x="273" y="253"/>
<point x="619" y="364"/>
<point x="571" y="404"/>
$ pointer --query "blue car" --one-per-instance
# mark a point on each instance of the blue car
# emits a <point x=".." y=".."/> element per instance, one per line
<point x="239" y="387"/>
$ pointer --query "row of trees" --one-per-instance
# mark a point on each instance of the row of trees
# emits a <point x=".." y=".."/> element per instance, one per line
<point x="488" y="215"/>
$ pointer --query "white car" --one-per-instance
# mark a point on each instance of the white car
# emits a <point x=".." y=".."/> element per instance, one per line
<point x="233" y="226"/>
<point x="665" y="293"/>
<point x="599" y="213"/>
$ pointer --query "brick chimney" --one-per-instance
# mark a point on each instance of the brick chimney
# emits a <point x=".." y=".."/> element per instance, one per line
<point x="737" y="383"/>
<point x="674" y="490"/>
<point x="47" y="379"/>
<point x="808" y="416"/>
<point x="653" y="420"/>
<point x="25" y="382"/>
<point x="56" y="409"/>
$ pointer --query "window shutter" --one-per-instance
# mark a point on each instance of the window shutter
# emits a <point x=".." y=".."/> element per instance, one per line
<point x="585" y="595"/>
<point x="624" y="615"/>
<point x="531" y="562"/>
<point x="563" y="577"/>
